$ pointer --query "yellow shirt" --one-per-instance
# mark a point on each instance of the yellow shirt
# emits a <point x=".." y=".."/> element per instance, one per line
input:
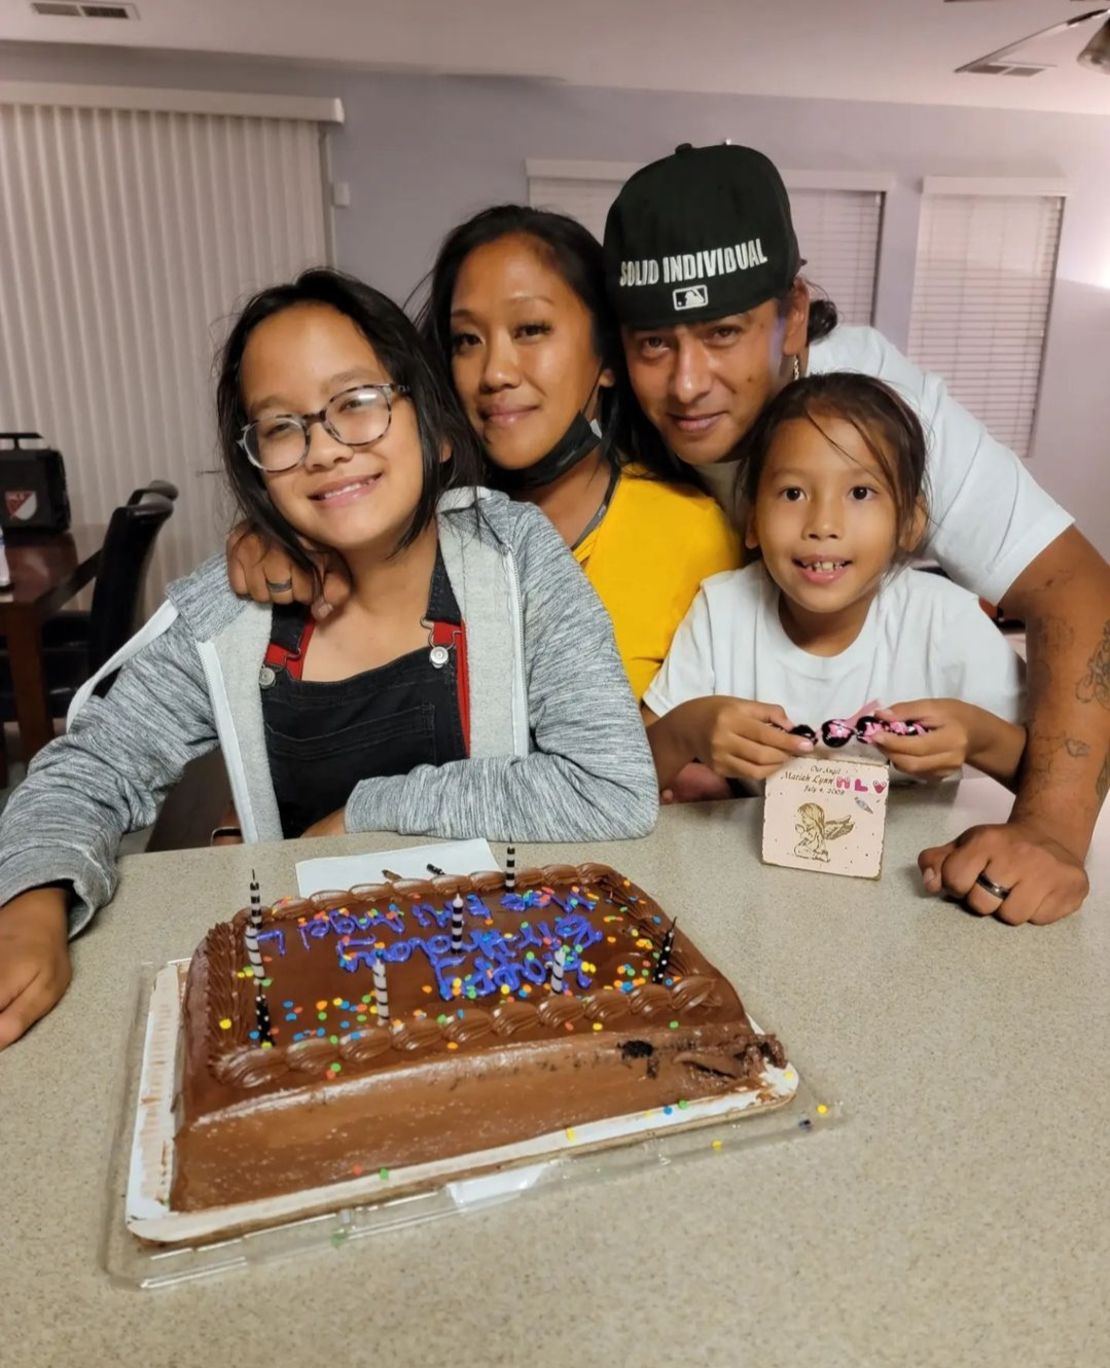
<point x="646" y="559"/>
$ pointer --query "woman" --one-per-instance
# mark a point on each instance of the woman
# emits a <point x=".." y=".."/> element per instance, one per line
<point x="517" y="310"/>
<point x="469" y="684"/>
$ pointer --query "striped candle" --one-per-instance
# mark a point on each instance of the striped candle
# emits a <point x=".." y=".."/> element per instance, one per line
<point x="253" y="927"/>
<point x="457" y="923"/>
<point x="381" y="989"/>
<point x="510" y="868"/>
<point x="256" y="902"/>
<point x="254" y="955"/>
<point x="558" y="965"/>
<point x="660" y="970"/>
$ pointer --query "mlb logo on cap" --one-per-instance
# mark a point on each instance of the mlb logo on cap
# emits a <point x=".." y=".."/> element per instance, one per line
<point x="691" y="297"/>
<point x="716" y="214"/>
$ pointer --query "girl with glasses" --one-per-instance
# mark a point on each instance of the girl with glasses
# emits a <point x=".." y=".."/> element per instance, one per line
<point x="517" y="314"/>
<point x="469" y="685"/>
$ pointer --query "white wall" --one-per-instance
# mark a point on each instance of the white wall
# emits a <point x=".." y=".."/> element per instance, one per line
<point x="420" y="153"/>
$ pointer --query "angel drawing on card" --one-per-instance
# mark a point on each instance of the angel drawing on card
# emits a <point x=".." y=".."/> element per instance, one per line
<point x="815" y="831"/>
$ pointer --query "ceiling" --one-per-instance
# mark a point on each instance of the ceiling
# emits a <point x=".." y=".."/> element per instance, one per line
<point x="887" y="50"/>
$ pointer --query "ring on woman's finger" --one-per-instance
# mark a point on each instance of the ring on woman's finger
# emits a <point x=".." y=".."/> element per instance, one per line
<point x="279" y="586"/>
<point x="995" y="890"/>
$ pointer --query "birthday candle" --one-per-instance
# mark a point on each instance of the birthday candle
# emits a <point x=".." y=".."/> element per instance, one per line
<point x="262" y="1015"/>
<point x="510" y="868"/>
<point x="254" y="955"/>
<point x="664" y="960"/>
<point x="252" y="929"/>
<point x="557" y="967"/>
<point x="381" y="989"/>
<point x="457" y="923"/>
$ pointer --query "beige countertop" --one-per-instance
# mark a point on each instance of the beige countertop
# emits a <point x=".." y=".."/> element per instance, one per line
<point x="958" y="1216"/>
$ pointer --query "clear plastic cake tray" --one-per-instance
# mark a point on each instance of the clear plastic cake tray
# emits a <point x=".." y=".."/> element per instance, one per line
<point x="147" y="1245"/>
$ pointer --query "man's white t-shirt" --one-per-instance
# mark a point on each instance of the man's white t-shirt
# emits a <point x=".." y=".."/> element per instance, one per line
<point x="989" y="519"/>
<point x="924" y="637"/>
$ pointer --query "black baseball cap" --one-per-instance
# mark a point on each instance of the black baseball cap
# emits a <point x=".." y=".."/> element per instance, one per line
<point x="700" y="234"/>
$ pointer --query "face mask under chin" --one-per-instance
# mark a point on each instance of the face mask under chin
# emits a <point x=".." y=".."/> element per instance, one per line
<point x="580" y="438"/>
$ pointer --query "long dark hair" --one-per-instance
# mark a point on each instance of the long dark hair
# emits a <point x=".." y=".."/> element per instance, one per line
<point x="398" y="346"/>
<point x="887" y="425"/>
<point x="570" y="249"/>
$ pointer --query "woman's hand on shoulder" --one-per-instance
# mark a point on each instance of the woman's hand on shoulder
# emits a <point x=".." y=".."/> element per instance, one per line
<point x="34" y="959"/>
<point x="259" y="570"/>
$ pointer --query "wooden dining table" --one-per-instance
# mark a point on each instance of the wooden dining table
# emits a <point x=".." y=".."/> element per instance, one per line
<point x="47" y="570"/>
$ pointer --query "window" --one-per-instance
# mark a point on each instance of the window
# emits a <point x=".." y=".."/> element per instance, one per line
<point x="986" y="261"/>
<point x="129" y="235"/>
<point x="838" y="218"/>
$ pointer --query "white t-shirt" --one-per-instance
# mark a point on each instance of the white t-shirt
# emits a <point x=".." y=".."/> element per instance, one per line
<point x="924" y="637"/>
<point x="989" y="519"/>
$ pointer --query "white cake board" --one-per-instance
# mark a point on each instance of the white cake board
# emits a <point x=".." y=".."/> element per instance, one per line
<point x="470" y="1179"/>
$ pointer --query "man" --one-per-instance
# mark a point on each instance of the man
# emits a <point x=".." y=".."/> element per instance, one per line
<point x="703" y="268"/>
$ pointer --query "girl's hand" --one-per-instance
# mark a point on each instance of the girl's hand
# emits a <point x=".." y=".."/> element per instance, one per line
<point x="258" y="570"/>
<point x="958" y="733"/>
<point x="740" y="739"/>
<point x="936" y="753"/>
<point x="34" y="959"/>
<point x="332" y="825"/>
<point x="696" y="783"/>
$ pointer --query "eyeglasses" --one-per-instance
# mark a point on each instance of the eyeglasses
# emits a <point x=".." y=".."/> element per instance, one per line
<point x="356" y="418"/>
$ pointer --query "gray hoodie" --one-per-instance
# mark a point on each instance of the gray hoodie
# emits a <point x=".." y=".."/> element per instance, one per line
<point x="558" y="752"/>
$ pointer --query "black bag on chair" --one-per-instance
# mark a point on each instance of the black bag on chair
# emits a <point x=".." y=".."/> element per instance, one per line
<point x="32" y="486"/>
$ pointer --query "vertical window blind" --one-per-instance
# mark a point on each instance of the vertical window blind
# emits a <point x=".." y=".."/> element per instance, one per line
<point x="981" y="300"/>
<point x="838" y="232"/>
<point x="128" y="238"/>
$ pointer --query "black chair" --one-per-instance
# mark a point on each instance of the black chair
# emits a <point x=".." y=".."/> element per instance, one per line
<point x="69" y="630"/>
<point x="162" y="487"/>
<point x="117" y="597"/>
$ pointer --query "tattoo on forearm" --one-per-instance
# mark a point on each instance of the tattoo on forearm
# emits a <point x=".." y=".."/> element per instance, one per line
<point x="1094" y="687"/>
<point x="1047" y="640"/>
<point x="1076" y="749"/>
<point x="1102" y="783"/>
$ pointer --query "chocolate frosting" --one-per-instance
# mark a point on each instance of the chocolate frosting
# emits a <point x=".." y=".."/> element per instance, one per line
<point x="477" y="1050"/>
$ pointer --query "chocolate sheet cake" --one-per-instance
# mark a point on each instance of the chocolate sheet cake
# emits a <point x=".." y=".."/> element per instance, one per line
<point x="405" y="1024"/>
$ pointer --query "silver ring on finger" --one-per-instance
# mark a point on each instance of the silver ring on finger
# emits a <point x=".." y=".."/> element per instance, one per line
<point x="995" y="890"/>
<point x="279" y="586"/>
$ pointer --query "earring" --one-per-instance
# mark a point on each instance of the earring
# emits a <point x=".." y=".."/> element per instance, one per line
<point x="797" y="373"/>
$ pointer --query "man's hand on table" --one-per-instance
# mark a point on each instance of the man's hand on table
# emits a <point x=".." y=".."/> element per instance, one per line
<point x="34" y="959"/>
<point x="1061" y="596"/>
<point x="1045" y="880"/>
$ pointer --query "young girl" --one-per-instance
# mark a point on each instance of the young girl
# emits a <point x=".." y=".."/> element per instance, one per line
<point x="829" y="620"/>
<point x="517" y="313"/>
<point x="468" y="686"/>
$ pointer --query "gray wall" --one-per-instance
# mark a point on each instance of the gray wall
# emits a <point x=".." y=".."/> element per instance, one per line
<point x="421" y="152"/>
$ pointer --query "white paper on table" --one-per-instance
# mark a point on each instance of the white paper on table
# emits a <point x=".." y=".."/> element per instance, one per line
<point x="344" y="871"/>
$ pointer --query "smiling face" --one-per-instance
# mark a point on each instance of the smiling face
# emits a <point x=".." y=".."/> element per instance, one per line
<point x="704" y="384"/>
<point x="523" y="355"/>
<point x="350" y="498"/>
<point x="825" y="516"/>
